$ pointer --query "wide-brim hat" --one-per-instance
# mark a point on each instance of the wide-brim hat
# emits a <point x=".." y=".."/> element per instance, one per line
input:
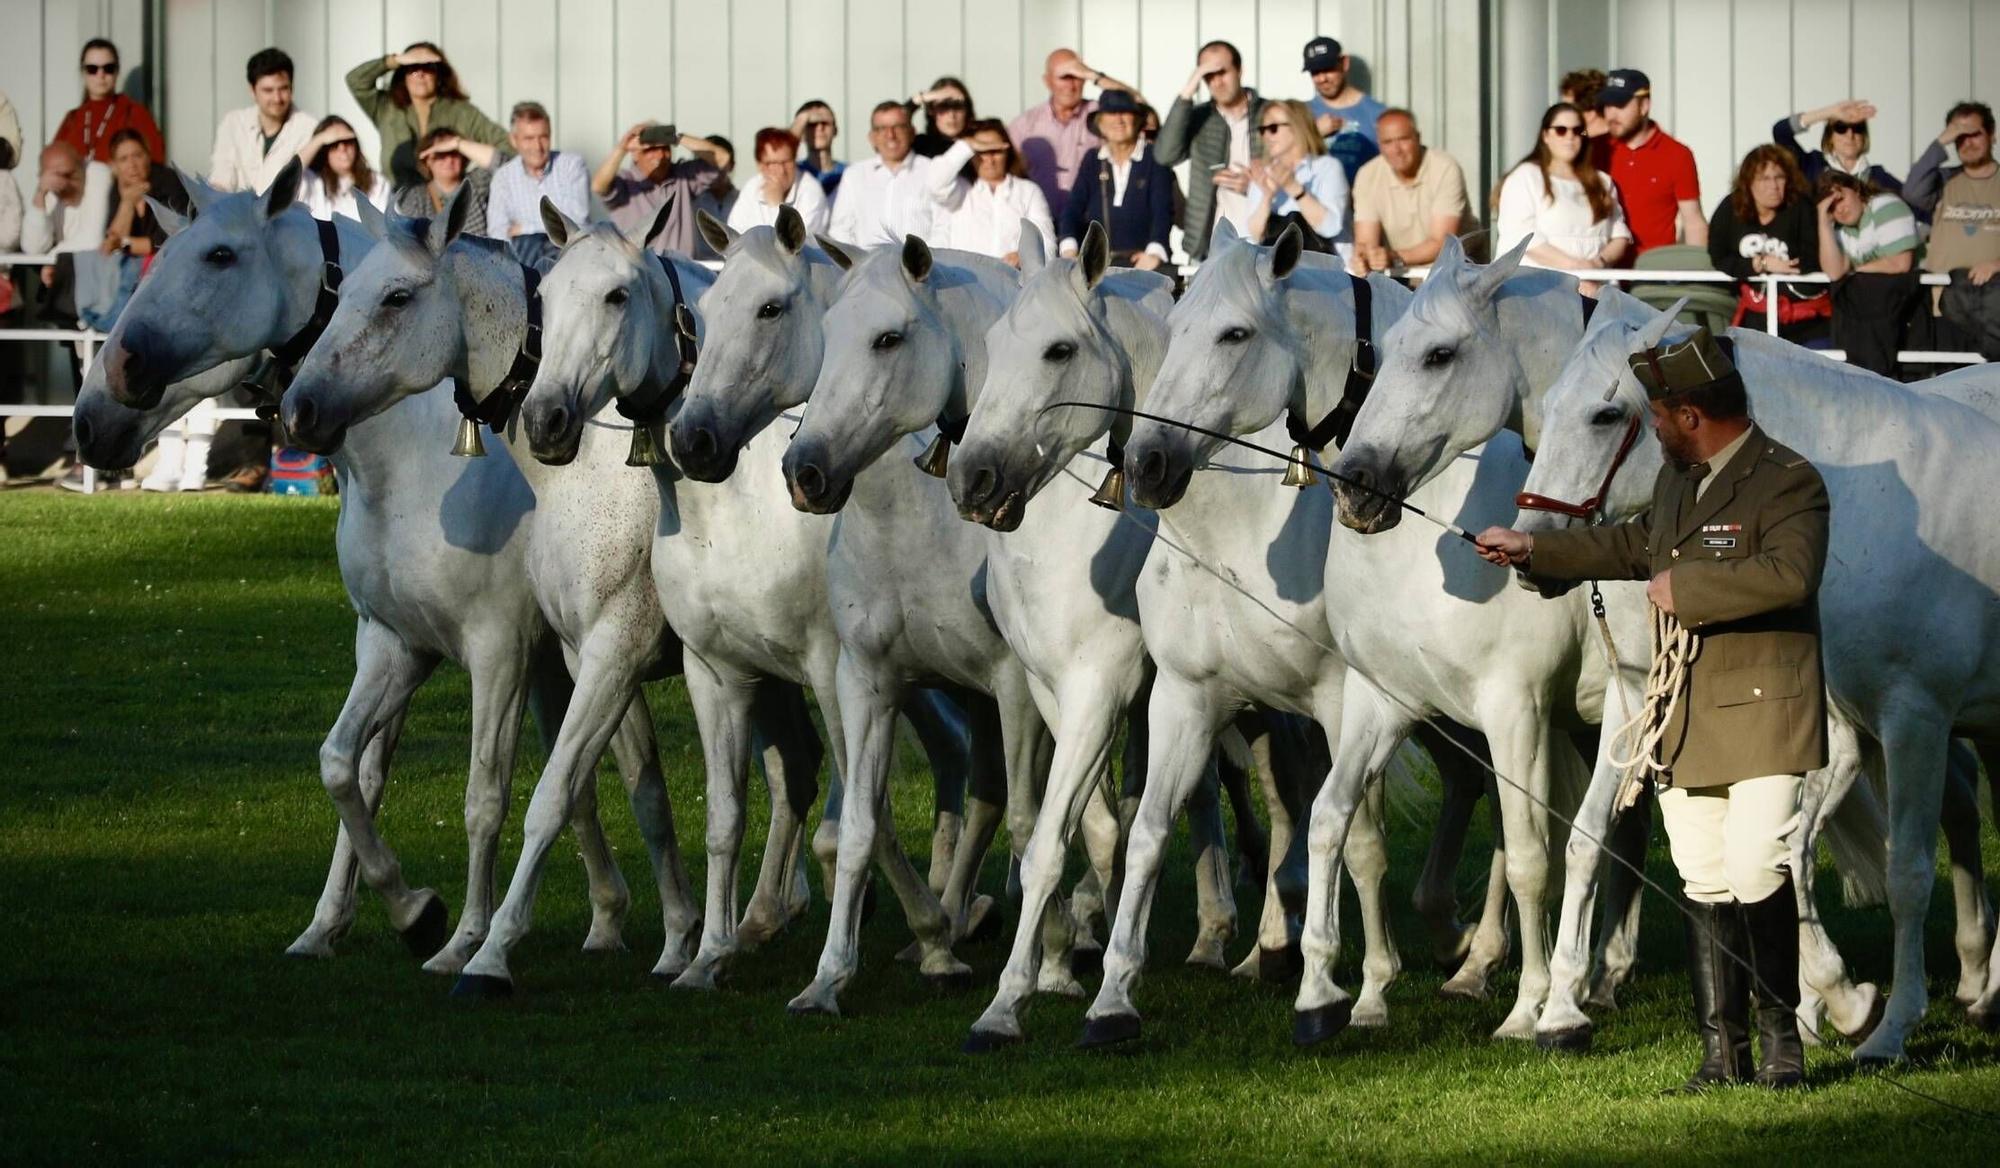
<point x="1665" y="370"/>
<point x="1117" y="101"/>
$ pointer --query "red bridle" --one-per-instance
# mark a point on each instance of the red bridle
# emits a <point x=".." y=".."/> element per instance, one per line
<point x="1586" y="510"/>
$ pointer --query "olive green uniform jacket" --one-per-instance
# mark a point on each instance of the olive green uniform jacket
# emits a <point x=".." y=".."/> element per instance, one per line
<point x="1746" y="561"/>
<point x="398" y="125"/>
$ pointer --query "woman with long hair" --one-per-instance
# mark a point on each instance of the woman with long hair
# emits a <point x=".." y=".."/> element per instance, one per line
<point x="104" y="111"/>
<point x="1567" y="204"/>
<point x="423" y="94"/>
<point x="948" y="110"/>
<point x="336" y="173"/>
<point x="981" y="191"/>
<point x="1767" y="226"/>
<point x="1297" y="181"/>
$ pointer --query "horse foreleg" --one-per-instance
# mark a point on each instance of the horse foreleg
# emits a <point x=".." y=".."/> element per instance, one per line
<point x="1366" y="858"/>
<point x="637" y="751"/>
<point x="791" y="756"/>
<point x="1985" y="1010"/>
<point x="1973" y="931"/>
<point x="333" y="916"/>
<point x="1914" y="743"/>
<point x="1520" y="737"/>
<point x="1435" y="897"/>
<point x="1827" y="793"/>
<point x="498" y="690"/>
<point x="722" y="713"/>
<point x="943" y="734"/>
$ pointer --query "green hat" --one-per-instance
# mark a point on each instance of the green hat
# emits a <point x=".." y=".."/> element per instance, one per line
<point x="1665" y="370"/>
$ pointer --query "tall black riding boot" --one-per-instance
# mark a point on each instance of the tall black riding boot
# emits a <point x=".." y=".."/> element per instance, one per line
<point x="1773" y="925"/>
<point x="1721" y="993"/>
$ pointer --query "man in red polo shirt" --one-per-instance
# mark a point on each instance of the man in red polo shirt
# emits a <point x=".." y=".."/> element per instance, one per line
<point x="1654" y="173"/>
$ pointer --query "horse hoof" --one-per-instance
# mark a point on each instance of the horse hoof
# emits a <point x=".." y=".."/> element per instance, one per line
<point x="1086" y="962"/>
<point x="1568" y="1040"/>
<point x="1986" y="1019"/>
<point x="428" y="933"/>
<point x="482" y="987"/>
<point x="1877" y="1007"/>
<point x="988" y="1041"/>
<point x="1314" y="1026"/>
<point x="1108" y="1030"/>
<point x="982" y="920"/>
<point x="1280" y="966"/>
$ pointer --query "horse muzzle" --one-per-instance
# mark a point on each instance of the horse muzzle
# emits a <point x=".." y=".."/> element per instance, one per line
<point x="1159" y="476"/>
<point x="1365" y="494"/>
<point x="312" y="424"/>
<point x="701" y="450"/>
<point x="107" y="434"/>
<point x="553" y="424"/>
<point x="138" y="366"/>
<point x="815" y="489"/>
<point x="983" y="493"/>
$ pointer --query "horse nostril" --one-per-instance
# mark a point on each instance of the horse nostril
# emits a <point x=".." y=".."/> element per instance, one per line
<point x="82" y="430"/>
<point x="1152" y="468"/>
<point x="984" y="483"/>
<point x="304" y="414"/>
<point x="809" y="480"/>
<point x="701" y="443"/>
<point x="559" y="420"/>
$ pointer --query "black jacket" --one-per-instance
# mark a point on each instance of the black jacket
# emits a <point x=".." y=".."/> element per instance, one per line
<point x="1794" y="234"/>
<point x="1145" y="216"/>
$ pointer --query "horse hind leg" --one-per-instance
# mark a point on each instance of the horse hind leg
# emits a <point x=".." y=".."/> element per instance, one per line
<point x="989" y="787"/>
<point x="941" y="730"/>
<point x="334" y="914"/>
<point x="1914" y="745"/>
<point x="1973" y="932"/>
<point x="1435" y="897"/>
<point x="637" y="751"/>
<point x="792" y="758"/>
<point x="1294" y="759"/>
<point x="1985" y="1010"/>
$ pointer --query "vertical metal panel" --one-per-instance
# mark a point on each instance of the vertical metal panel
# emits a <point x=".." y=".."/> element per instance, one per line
<point x="818" y="70"/>
<point x="1232" y="21"/>
<point x="1700" y="90"/>
<point x="299" y="28"/>
<point x="1110" y="38"/>
<point x="1763" y="91"/>
<point x="1046" y="25"/>
<point x="1985" y="59"/>
<point x="1461" y="129"/>
<point x="21" y="64"/>
<point x="643" y="44"/>
<point x="1168" y="36"/>
<point x="1392" y="54"/>
<point x="190" y="75"/>
<point x="1283" y="28"/>
<point x="529" y="68"/>
<point x="1423" y="71"/>
<point x="759" y="95"/>
<point x="1582" y="33"/>
<point x="472" y="38"/>
<point x="239" y="32"/>
<point x="934" y="46"/>
<point x="701" y="37"/>
<point x="1821" y="54"/>
<point x="584" y="101"/>
<point x="405" y="22"/>
<point x="994" y="61"/>
<point x="874" y="68"/>
<point x="1941" y="55"/>
<point x="1882" y="73"/>
<point x="1355" y="25"/>
<point x="354" y="34"/>
<point x="1645" y="42"/>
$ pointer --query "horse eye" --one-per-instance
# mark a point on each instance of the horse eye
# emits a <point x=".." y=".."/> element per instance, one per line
<point x="615" y="296"/>
<point x="397" y="298"/>
<point x="1438" y="358"/>
<point x="1608" y="416"/>
<point x="886" y="342"/>
<point x="221" y="257"/>
<point x="1060" y="351"/>
<point x="771" y="311"/>
<point x="1235" y="335"/>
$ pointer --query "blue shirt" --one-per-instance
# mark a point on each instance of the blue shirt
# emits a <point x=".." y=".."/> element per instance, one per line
<point x="1323" y="179"/>
<point x="1356" y="143"/>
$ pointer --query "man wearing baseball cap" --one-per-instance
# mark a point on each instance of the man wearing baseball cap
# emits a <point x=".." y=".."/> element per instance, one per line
<point x="1654" y="173"/>
<point x="1733" y="547"/>
<point x="1345" y="112"/>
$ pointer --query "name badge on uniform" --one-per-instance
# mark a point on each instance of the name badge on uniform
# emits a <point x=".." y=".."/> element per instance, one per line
<point x="1712" y="537"/>
<point x="1718" y="541"/>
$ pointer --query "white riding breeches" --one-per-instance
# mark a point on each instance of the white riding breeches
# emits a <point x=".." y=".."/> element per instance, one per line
<point x="1731" y="843"/>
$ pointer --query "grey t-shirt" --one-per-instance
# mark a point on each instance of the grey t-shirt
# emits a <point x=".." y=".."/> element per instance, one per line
<point x="635" y="201"/>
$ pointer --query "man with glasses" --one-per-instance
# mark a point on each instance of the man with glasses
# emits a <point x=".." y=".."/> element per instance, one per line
<point x="1219" y="137"/>
<point x="515" y="207"/>
<point x="1964" y="202"/>
<point x="254" y="143"/>
<point x="1054" y="137"/>
<point x="105" y="111"/>
<point x="654" y="180"/>
<point x="882" y="199"/>
<point x="1654" y="172"/>
<point x="779" y="183"/>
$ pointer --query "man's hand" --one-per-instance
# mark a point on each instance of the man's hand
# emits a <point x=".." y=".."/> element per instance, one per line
<point x="629" y="144"/>
<point x="416" y="56"/>
<point x="1505" y="546"/>
<point x="1962" y="124"/>
<point x="1981" y="273"/>
<point x="1146" y="261"/>
<point x="1329" y="124"/>
<point x="1660" y="590"/>
<point x="1077" y="69"/>
<point x="1194" y="83"/>
<point x="1232" y="179"/>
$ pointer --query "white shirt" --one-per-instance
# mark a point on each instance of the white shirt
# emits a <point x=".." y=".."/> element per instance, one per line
<point x="1120" y="171"/>
<point x="1228" y="204"/>
<point x="239" y="161"/>
<point x="53" y="225"/>
<point x="516" y="196"/>
<point x="806" y="198"/>
<point x="972" y="216"/>
<point x="1563" y="223"/>
<point x="312" y="192"/>
<point x="876" y="205"/>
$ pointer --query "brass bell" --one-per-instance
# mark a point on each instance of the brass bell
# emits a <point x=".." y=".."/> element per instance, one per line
<point x="648" y="442"/>
<point x="936" y="458"/>
<point x="1111" y="492"/>
<point x="1298" y="473"/>
<point x="469" y="444"/>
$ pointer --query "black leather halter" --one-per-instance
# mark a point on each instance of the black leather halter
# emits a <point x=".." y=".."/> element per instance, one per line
<point x="1339" y="421"/>
<point x="506" y="397"/>
<point x="294" y="350"/>
<point x="650" y="410"/>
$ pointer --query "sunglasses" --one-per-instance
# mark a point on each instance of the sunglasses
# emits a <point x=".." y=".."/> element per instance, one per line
<point x="990" y="152"/>
<point x="950" y="105"/>
<point x="1847" y="127"/>
<point x="1271" y="127"/>
<point x="95" y="70"/>
<point x="342" y="142"/>
<point x="894" y="128"/>
<point x="430" y="67"/>
<point x="1564" y="131"/>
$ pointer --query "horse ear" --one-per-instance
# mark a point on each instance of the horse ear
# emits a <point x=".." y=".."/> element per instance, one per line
<point x="718" y="234"/>
<point x="1093" y="256"/>
<point x="451" y="224"/>
<point x="640" y="239"/>
<point x="1487" y="280"/>
<point x="170" y="220"/>
<point x="1225" y="232"/>
<point x="1033" y="252"/>
<point x="1450" y="258"/>
<point x="371" y="218"/>
<point x="833" y="251"/>
<point x="284" y="190"/>
<point x="1286" y="252"/>
<point x="1656" y="329"/>
<point x="916" y="258"/>
<point x="790" y="228"/>
<point x="201" y="196"/>
<point x="557" y="224"/>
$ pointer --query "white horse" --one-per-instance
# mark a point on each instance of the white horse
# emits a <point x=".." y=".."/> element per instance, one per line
<point x="1264" y="635"/>
<point x="431" y="548"/>
<point x="903" y="351"/>
<point x="1911" y="478"/>
<point x="739" y="573"/>
<point x="438" y="304"/>
<point x="1476" y="352"/>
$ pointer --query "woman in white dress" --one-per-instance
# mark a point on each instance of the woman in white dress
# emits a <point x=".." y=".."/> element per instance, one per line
<point x="1556" y="195"/>
<point x="335" y="170"/>
<point x="780" y="182"/>
<point x="982" y="192"/>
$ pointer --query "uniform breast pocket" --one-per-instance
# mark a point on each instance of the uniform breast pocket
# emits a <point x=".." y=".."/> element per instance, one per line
<point x="1756" y="683"/>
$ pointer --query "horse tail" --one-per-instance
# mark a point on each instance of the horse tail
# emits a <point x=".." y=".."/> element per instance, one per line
<point x="1857" y="833"/>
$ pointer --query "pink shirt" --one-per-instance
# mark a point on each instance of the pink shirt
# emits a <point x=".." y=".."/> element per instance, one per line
<point x="1053" y="149"/>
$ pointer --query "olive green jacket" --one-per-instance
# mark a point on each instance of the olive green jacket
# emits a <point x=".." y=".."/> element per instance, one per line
<point x="1746" y="561"/>
<point x="1201" y="133"/>
<point x="398" y="125"/>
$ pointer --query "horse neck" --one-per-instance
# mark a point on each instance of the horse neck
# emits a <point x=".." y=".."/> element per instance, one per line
<point x="1237" y="492"/>
<point x="380" y="450"/>
<point x="1540" y="326"/>
<point x="1319" y="302"/>
<point x="967" y="309"/>
<point x="493" y="307"/>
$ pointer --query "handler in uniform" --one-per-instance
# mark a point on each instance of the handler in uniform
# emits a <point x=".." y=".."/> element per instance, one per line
<point x="1733" y="547"/>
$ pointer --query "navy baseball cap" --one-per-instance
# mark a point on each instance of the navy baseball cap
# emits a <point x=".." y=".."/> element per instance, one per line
<point x="1322" y="54"/>
<point x="1623" y="87"/>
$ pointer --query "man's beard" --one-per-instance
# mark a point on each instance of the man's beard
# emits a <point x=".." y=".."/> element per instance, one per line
<point x="1678" y="447"/>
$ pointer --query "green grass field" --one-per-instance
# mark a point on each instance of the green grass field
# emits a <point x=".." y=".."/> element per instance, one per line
<point x="169" y="668"/>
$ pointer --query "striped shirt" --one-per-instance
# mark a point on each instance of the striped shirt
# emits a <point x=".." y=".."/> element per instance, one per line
<point x="516" y="198"/>
<point x="1886" y="228"/>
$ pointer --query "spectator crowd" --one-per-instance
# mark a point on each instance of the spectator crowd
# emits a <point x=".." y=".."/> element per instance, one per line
<point x="1603" y="186"/>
